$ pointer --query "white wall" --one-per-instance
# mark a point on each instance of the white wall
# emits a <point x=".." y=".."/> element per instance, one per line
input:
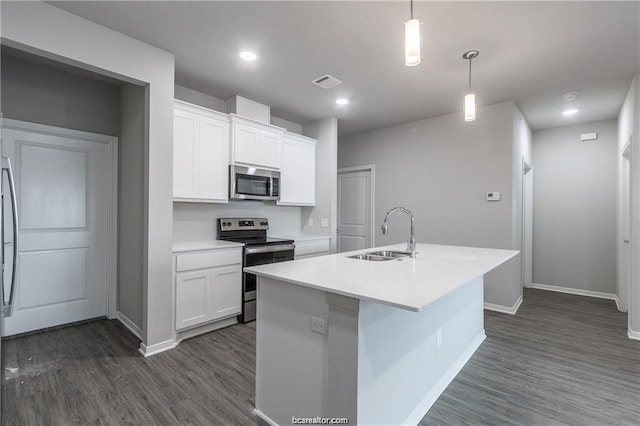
<point x="629" y="127"/>
<point x="326" y="132"/>
<point x="574" y="226"/>
<point x="39" y="93"/>
<point x="196" y="222"/>
<point x="45" y="30"/>
<point x="441" y="169"/>
<point x="198" y="98"/>
<point x="131" y="205"/>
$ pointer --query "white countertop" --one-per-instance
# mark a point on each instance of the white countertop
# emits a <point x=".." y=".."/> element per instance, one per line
<point x="410" y="284"/>
<point x="179" y="247"/>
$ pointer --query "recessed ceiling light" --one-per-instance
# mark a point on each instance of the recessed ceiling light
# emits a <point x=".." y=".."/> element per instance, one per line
<point x="342" y="101"/>
<point x="248" y="56"/>
<point x="569" y="96"/>
<point x="570" y="111"/>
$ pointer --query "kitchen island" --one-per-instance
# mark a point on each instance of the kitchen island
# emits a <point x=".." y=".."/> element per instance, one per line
<point x="375" y="342"/>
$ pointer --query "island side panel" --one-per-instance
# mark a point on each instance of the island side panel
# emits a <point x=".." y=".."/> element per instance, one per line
<point x="401" y="368"/>
<point x="291" y="360"/>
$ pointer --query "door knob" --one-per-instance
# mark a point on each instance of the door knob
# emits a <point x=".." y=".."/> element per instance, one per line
<point x="626" y="241"/>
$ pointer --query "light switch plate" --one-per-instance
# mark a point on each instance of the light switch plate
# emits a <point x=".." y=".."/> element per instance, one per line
<point x="324" y="222"/>
<point x="493" y="196"/>
<point x="310" y="221"/>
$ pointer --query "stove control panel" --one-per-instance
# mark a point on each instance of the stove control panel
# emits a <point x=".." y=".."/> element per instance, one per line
<point x="235" y="224"/>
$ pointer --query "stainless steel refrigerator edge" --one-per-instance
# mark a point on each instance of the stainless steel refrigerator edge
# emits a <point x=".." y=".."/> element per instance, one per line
<point x="8" y="253"/>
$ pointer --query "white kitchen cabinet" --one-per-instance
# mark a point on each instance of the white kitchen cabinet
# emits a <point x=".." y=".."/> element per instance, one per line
<point x="298" y="171"/>
<point x="208" y="286"/>
<point x="200" y="154"/>
<point x="254" y="143"/>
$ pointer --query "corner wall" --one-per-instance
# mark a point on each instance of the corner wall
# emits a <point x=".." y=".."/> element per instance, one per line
<point x="47" y="31"/>
<point x="441" y="169"/>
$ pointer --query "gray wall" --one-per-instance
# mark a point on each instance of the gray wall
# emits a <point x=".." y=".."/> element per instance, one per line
<point x="131" y="203"/>
<point x="40" y="28"/>
<point x="39" y="93"/>
<point x="441" y="168"/>
<point x="574" y="217"/>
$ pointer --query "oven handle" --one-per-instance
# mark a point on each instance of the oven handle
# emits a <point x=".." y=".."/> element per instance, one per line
<point x="268" y="249"/>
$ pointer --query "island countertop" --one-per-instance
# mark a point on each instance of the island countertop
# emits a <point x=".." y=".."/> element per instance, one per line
<point x="406" y="283"/>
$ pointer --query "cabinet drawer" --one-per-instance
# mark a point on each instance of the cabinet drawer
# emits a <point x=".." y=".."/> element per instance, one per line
<point x="208" y="259"/>
<point x="310" y="248"/>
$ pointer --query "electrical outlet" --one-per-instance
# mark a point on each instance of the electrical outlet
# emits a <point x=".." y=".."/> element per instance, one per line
<point x="310" y="221"/>
<point x="324" y="222"/>
<point x="318" y="325"/>
<point x="439" y="337"/>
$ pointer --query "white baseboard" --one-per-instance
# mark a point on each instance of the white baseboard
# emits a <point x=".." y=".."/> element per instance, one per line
<point x="137" y="331"/>
<point x="617" y="300"/>
<point x="577" y="291"/>
<point x="264" y="417"/>
<point x="196" y="331"/>
<point x="423" y="406"/>
<point x="512" y="310"/>
<point x="157" y="348"/>
<point x="634" y="335"/>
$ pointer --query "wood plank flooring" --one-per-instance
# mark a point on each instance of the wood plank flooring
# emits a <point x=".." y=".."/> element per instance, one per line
<point x="562" y="360"/>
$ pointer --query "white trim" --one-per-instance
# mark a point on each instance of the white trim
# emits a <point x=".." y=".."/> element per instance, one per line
<point x="137" y="331"/>
<point x="626" y="151"/>
<point x="423" y="406"/>
<point x="264" y="417"/>
<point x="371" y="168"/>
<point x="617" y="300"/>
<point x="634" y="335"/>
<point x="577" y="291"/>
<point x="196" y="331"/>
<point x="147" y="351"/>
<point x="512" y="310"/>
<point x="9" y="123"/>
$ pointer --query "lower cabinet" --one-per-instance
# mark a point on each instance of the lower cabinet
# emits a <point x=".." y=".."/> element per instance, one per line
<point x="209" y="293"/>
<point x="312" y="248"/>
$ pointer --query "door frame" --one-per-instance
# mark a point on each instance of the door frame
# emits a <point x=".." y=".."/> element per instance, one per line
<point x="527" y="168"/>
<point x="623" y="300"/>
<point x="371" y="168"/>
<point x="112" y="198"/>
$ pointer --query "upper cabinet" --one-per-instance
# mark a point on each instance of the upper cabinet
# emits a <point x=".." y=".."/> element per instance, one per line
<point x="298" y="171"/>
<point x="255" y="144"/>
<point x="200" y="154"/>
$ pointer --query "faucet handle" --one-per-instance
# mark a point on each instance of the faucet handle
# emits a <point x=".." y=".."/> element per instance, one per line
<point x="385" y="228"/>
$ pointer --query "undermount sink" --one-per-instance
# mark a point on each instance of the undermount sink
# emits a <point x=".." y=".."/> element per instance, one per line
<point x="380" y="255"/>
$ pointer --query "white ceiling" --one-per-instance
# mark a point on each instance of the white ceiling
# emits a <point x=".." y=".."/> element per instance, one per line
<point x="530" y="52"/>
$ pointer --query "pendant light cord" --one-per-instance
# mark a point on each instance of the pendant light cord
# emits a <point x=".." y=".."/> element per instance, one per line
<point x="411" y="9"/>
<point x="470" y="59"/>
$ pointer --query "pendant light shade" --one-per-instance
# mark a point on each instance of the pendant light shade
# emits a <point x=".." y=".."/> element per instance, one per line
<point x="469" y="106"/>
<point x="412" y="41"/>
<point x="470" y="96"/>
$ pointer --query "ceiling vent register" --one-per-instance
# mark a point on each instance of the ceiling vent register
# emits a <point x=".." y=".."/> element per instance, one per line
<point x="326" y="81"/>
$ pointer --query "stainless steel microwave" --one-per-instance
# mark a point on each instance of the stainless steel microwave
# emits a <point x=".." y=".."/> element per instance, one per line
<point x="250" y="183"/>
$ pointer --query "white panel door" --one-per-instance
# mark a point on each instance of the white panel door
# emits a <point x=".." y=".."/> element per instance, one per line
<point x="226" y="297"/>
<point x="354" y="210"/>
<point x="193" y="295"/>
<point x="307" y="173"/>
<point x="213" y="159"/>
<point x="185" y="154"/>
<point x="289" y="182"/>
<point x="245" y="143"/>
<point x="63" y="192"/>
<point x="268" y="149"/>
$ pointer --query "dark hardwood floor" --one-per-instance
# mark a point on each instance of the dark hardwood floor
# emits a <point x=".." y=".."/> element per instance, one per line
<point x="562" y="359"/>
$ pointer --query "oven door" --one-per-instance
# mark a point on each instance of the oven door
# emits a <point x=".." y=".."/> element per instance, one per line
<point x="262" y="255"/>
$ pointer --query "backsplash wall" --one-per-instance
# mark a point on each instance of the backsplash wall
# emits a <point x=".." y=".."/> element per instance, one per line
<point x="196" y="222"/>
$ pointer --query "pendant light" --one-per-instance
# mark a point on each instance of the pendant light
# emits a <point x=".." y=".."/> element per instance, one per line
<point x="470" y="96"/>
<point x="412" y="41"/>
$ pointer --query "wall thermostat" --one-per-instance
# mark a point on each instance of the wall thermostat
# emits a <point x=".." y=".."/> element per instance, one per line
<point x="493" y="196"/>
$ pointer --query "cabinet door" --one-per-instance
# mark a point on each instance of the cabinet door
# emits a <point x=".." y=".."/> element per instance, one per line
<point x="306" y="162"/>
<point x="185" y="152"/>
<point x="268" y="150"/>
<point x="226" y="298"/>
<point x="245" y="143"/>
<point x="213" y="161"/>
<point x="288" y="173"/>
<point x="193" y="295"/>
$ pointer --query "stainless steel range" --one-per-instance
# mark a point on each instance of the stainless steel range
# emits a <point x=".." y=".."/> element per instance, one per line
<point x="258" y="250"/>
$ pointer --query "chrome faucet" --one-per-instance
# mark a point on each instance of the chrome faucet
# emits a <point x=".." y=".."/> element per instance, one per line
<point x="411" y="242"/>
